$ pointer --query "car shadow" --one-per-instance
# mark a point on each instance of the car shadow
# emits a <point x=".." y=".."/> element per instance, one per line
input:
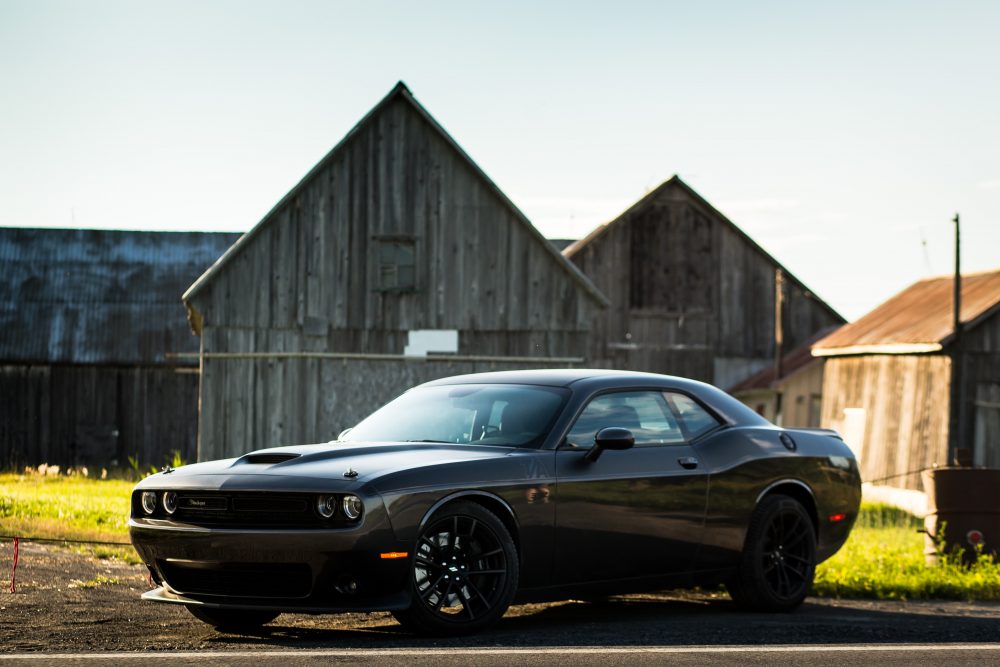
<point x="654" y="621"/>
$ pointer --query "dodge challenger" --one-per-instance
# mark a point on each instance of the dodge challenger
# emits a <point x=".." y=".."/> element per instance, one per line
<point x="467" y="494"/>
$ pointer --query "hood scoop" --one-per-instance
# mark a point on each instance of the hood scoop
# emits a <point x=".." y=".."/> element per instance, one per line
<point x="268" y="459"/>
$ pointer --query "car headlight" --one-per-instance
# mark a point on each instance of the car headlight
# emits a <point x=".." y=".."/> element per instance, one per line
<point x="326" y="506"/>
<point x="148" y="502"/>
<point x="352" y="507"/>
<point x="170" y="502"/>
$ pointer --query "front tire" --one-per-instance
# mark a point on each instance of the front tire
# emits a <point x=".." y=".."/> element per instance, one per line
<point x="779" y="557"/>
<point x="233" y="619"/>
<point x="463" y="574"/>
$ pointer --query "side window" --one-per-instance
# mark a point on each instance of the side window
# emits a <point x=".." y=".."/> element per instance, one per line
<point x="645" y="413"/>
<point x="692" y="418"/>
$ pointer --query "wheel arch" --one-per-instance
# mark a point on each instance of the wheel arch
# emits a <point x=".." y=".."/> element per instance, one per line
<point x="798" y="490"/>
<point x="492" y="502"/>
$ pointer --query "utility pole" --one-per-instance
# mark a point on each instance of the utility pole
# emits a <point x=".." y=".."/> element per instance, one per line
<point x="956" y="435"/>
<point x="779" y="334"/>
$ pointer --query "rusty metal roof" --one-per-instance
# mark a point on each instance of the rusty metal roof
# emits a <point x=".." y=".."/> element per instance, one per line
<point x="86" y="296"/>
<point x="918" y="319"/>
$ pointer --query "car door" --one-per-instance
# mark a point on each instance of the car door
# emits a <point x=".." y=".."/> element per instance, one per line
<point x="633" y="513"/>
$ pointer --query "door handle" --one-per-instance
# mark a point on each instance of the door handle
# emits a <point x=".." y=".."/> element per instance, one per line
<point x="688" y="462"/>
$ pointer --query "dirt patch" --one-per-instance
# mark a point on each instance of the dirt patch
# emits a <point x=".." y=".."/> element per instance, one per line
<point x="66" y="601"/>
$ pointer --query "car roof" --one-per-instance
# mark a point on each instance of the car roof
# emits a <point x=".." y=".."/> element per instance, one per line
<point x="553" y="377"/>
<point x="598" y="379"/>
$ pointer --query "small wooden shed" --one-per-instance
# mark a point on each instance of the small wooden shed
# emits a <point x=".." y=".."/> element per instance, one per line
<point x="90" y="326"/>
<point x="691" y="294"/>
<point x="890" y="377"/>
<point x="395" y="260"/>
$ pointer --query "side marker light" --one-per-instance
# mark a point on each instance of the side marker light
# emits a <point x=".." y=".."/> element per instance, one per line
<point x="837" y="518"/>
<point x="388" y="555"/>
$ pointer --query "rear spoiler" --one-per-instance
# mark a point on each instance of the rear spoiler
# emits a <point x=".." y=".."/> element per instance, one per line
<point x="821" y="431"/>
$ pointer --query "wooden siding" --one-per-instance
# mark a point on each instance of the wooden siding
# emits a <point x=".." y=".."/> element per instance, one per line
<point x="980" y="371"/>
<point x="96" y="416"/>
<point x="690" y="295"/>
<point x="799" y="394"/>
<point x="984" y="336"/>
<point x="905" y="398"/>
<point x="258" y="403"/>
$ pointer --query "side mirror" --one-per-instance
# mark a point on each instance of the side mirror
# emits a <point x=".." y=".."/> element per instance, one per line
<point x="613" y="437"/>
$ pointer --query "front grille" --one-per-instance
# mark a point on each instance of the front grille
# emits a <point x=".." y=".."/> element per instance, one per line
<point x="219" y="509"/>
<point x="249" y="580"/>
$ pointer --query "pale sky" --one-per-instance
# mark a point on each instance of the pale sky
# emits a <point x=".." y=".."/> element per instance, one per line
<point x="842" y="137"/>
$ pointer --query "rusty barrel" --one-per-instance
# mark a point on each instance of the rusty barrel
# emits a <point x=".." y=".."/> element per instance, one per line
<point x="963" y="510"/>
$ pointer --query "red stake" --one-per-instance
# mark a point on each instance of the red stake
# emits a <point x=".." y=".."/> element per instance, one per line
<point x="13" y="588"/>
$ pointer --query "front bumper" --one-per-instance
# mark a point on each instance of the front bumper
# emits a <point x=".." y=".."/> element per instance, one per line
<point x="302" y="570"/>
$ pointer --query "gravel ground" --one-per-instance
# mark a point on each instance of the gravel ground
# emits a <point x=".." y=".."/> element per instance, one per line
<point x="69" y="602"/>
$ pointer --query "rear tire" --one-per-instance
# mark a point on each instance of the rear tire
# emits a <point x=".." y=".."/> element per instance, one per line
<point x="463" y="574"/>
<point x="233" y="619"/>
<point x="779" y="557"/>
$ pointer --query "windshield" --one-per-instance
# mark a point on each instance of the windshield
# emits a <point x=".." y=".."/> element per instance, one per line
<point x="488" y="414"/>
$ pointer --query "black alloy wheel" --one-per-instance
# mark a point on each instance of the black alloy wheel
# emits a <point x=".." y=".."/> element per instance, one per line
<point x="464" y="572"/>
<point x="233" y="619"/>
<point x="779" y="558"/>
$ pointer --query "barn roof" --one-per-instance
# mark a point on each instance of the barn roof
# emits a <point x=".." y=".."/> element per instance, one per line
<point x="86" y="296"/>
<point x="918" y="319"/>
<point x="675" y="181"/>
<point x="400" y="91"/>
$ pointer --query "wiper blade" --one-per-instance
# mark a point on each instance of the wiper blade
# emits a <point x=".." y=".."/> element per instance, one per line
<point x="441" y="442"/>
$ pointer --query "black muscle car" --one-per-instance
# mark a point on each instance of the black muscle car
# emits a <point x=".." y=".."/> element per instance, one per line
<point x="468" y="493"/>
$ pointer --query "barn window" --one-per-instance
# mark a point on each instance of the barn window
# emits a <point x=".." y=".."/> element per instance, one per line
<point x="396" y="264"/>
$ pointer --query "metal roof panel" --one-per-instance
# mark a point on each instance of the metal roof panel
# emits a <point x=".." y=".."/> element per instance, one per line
<point x="917" y="319"/>
<point x="99" y="296"/>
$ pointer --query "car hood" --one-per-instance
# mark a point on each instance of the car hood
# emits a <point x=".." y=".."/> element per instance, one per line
<point x="308" y="467"/>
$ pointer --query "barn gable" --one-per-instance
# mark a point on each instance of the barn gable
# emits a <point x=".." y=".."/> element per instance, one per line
<point x="395" y="235"/>
<point x="396" y="183"/>
<point x="691" y="294"/>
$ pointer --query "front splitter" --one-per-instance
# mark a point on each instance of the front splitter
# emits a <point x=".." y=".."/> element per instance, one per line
<point x="396" y="602"/>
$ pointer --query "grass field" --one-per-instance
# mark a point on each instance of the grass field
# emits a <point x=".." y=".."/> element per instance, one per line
<point x="71" y="508"/>
<point x="883" y="559"/>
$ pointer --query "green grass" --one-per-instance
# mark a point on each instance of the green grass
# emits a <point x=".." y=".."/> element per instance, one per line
<point x="70" y="508"/>
<point x="884" y="559"/>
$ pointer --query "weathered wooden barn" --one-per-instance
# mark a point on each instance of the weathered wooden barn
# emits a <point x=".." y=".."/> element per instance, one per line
<point x="889" y="378"/>
<point x="395" y="260"/>
<point x="691" y="294"/>
<point x="88" y="323"/>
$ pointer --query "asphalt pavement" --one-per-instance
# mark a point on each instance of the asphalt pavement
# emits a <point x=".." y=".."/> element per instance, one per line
<point x="818" y="656"/>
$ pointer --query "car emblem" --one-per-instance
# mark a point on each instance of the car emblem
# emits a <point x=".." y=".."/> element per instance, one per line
<point x="351" y="473"/>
